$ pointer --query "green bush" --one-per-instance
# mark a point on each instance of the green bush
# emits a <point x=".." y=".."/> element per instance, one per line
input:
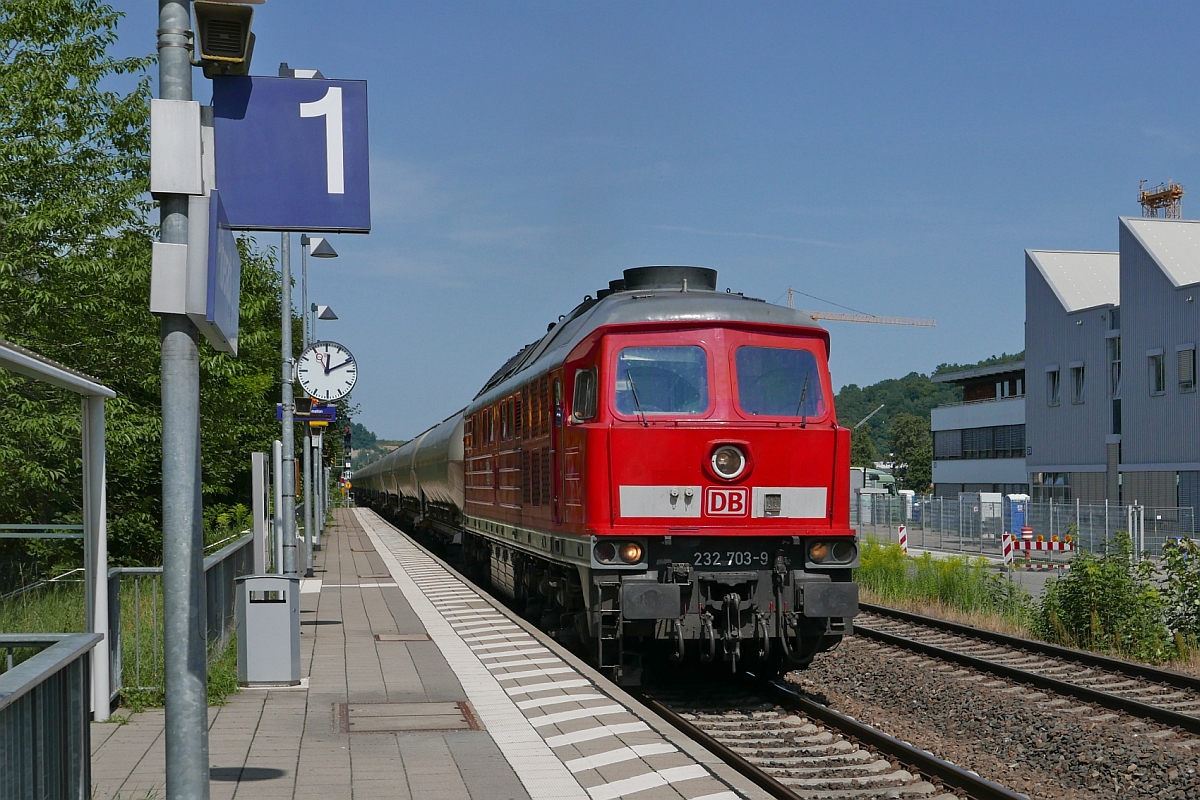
<point x="966" y="584"/>
<point x="1181" y="568"/>
<point x="1108" y="603"/>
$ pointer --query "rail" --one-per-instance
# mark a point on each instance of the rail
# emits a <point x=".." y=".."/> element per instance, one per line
<point x="1041" y="679"/>
<point x="45" y="731"/>
<point x="918" y="760"/>
<point x="141" y="613"/>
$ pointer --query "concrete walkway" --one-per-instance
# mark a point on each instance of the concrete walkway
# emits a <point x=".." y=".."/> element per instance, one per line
<point x="290" y="743"/>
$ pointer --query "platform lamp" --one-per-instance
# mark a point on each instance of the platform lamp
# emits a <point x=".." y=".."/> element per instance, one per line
<point x="317" y="247"/>
<point x="319" y="312"/>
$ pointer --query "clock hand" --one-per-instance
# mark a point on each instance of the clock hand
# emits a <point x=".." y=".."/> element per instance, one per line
<point x="339" y="366"/>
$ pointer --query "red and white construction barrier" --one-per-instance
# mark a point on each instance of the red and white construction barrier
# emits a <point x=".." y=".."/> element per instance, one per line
<point x="904" y="538"/>
<point x="1011" y="544"/>
<point x="1059" y="546"/>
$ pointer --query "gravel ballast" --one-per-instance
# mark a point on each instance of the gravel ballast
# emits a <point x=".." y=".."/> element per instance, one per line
<point x="1034" y="743"/>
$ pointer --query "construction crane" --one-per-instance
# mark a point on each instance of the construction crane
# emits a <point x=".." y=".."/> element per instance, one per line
<point x="837" y="316"/>
<point x="1166" y="197"/>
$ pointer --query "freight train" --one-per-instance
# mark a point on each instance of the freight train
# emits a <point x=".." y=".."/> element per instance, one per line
<point x="661" y="475"/>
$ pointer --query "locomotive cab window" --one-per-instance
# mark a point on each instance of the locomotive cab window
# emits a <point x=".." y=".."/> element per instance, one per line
<point x="662" y="380"/>
<point x="778" y="382"/>
<point x="585" y="394"/>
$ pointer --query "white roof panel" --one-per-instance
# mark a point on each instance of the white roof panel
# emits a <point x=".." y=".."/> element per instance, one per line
<point x="1080" y="279"/>
<point x="1173" y="243"/>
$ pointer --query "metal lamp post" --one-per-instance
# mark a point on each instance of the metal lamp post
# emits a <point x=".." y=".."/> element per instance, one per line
<point x="318" y="247"/>
<point x="319" y="312"/>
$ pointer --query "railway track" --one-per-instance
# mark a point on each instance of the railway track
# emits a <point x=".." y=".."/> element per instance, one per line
<point x="794" y="747"/>
<point x="1167" y="697"/>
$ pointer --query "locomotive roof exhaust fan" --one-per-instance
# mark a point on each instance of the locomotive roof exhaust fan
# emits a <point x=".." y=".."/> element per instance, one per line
<point x="696" y="279"/>
<point x="224" y="43"/>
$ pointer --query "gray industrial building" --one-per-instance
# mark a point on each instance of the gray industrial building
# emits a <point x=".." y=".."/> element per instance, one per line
<point x="1112" y="413"/>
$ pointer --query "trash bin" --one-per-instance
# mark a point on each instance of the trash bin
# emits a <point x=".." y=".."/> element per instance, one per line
<point x="268" y="616"/>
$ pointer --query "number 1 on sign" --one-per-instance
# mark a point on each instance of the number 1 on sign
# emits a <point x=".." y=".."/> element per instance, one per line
<point x="330" y="107"/>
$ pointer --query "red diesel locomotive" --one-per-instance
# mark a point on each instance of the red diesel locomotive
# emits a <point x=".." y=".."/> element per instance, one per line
<point x="662" y="472"/>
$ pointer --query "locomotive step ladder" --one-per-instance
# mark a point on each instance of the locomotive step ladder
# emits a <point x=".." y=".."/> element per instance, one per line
<point x="609" y="650"/>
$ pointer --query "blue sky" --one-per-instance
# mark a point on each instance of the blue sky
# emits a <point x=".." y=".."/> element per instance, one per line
<point x="894" y="158"/>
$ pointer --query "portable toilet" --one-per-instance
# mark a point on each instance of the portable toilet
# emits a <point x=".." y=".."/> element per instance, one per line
<point x="906" y="497"/>
<point x="1016" y="513"/>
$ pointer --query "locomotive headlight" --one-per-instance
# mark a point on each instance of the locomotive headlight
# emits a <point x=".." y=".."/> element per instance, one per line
<point x="605" y="552"/>
<point x="843" y="551"/>
<point x="631" y="552"/>
<point x="728" y="461"/>
<point x="818" y="552"/>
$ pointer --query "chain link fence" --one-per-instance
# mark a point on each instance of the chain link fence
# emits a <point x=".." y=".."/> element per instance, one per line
<point x="972" y="526"/>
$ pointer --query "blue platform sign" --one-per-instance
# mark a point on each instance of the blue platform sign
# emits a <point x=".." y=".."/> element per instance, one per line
<point x="292" y="154"/>
<point x="224" y="278"/>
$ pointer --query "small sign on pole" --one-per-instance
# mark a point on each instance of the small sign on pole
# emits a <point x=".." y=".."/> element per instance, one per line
<point x="214" y="273"/>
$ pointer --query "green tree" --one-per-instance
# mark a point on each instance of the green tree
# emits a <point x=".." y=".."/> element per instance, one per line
<point x="912" y="450"/>
<point x="862" y="449"/>
<point x="75" y="237"/>
<point x="913" y="394"/>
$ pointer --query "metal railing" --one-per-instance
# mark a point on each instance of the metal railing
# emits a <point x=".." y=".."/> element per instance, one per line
<point x="136" y="632"/>
<point x="965" y="525"/>
<point x="45" y="733"/>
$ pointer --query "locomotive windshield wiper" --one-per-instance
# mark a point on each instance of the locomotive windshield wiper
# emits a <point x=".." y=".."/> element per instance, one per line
<point x="636" y="402"/>
<point x="800" y="405"/>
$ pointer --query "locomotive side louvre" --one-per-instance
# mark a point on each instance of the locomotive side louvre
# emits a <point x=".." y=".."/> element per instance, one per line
<point x="592" y="494"/>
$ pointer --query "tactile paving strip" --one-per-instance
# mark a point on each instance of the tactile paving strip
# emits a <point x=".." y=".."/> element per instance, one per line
<point x="564" y="735"/>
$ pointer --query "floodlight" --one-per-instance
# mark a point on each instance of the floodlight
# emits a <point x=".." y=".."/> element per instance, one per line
<point x="225" y="44"/>
<point x="325" y="312"/>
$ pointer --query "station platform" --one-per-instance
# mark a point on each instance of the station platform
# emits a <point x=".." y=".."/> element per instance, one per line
<point x="419" y="686"/>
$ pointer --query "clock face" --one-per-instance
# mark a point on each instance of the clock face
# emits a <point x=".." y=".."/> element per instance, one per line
<point x="326" y="371"/>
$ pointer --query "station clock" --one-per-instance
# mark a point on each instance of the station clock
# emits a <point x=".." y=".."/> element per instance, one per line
<point x="326" y="371"/>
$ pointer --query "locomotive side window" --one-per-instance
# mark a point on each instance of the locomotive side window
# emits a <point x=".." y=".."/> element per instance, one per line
<point x="778" y="382"/>
<point x="585" y="394"/>
<point x="662" y="380"/>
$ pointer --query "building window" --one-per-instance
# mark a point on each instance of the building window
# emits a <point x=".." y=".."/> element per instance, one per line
<point x="1050" y="486"/>
<point x="1158" y="373"/>
<point x="1077" y="378"/>
<point x="947" y="444"/>
<point x="977" y="442"/>
<point x="1009" y="441"/>
<point x="1186" y="358"/>
<point x="1053" y="387"/>
<point x="1114" y="366"/>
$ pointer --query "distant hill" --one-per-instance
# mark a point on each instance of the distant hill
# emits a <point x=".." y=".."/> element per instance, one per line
<point x="367" y="446"/>
<point x="1003" y="358"/>
<point x="915" y="393"/>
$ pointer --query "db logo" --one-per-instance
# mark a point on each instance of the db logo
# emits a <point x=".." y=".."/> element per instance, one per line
<point x="733" y="502"/>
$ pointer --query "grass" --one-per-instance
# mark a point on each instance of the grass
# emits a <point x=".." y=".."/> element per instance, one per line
<point x="964" y="586"/>
<point x="967" y="591"/>
<point x="59" y="608"/>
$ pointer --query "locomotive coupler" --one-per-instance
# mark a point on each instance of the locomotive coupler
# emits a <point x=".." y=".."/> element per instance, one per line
<point x="677" y="631"/>
<point x="792" y="620"/>
<point x="708" y="640"/>
<point x="731" y="642"/>
<point x="762" y="630"/>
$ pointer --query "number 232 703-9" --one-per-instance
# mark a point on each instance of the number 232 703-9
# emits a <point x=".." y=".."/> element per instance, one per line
<point x="730" y="558"/>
